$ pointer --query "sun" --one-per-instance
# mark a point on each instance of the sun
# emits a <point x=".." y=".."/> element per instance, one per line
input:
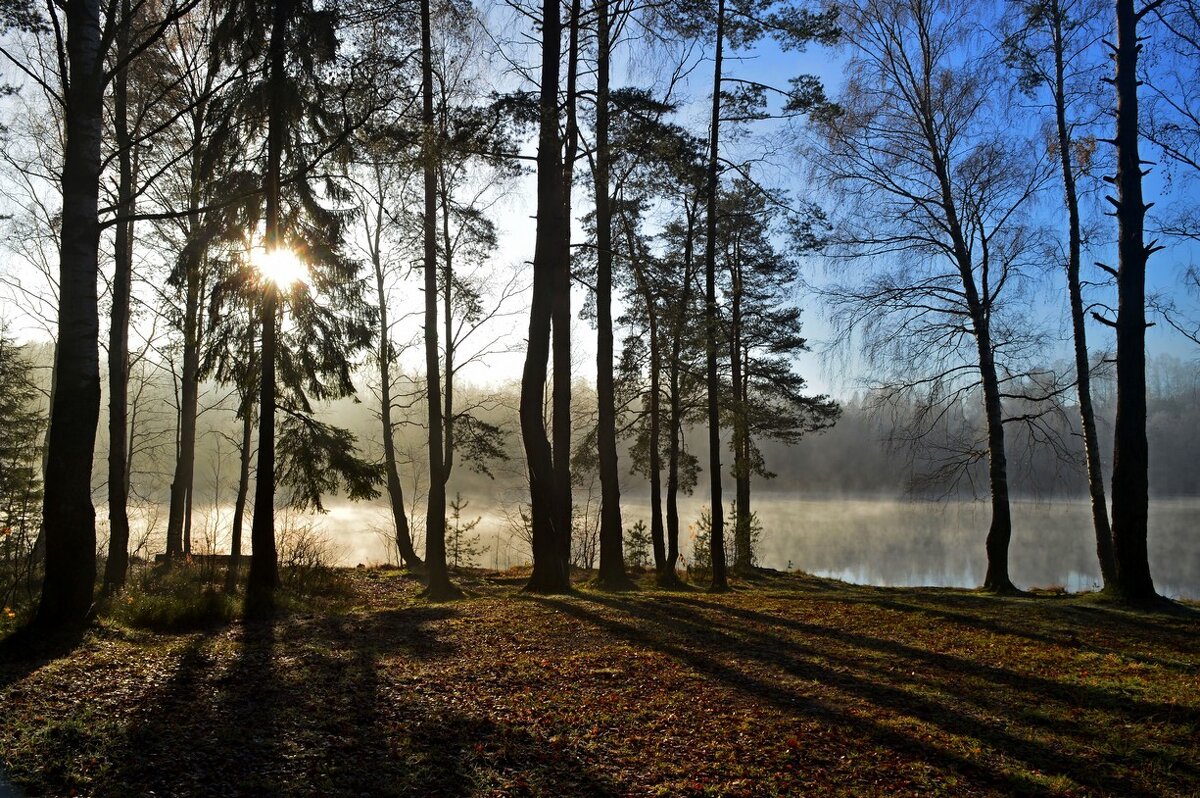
<point x="281" y="266"/>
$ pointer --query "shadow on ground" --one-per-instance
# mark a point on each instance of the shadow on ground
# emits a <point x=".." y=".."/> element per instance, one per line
<point x="792" y="688"/>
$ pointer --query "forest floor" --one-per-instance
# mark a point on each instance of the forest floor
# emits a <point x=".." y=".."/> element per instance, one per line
<point x="788" y="686"/>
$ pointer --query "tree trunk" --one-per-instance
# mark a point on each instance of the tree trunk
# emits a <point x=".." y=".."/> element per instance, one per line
<point x="668" y="577"/>
<point x="612" y="557"/>
<point x="439" y="586"/>
<point x="717" y="537"/>
<point x="1000" y="532"/>
<point x="264" y="565"/>
<point x="1091" y="446"/>
<point x="404" y="545"/>
<point x="549" y="574"/>
<point x="561" y="312"/>
<point x="448" y="322"/>
<point x="239" y="504"/>
<point x="68" y="514"/>
<point x="741" y="460"/>
<point x="653" y="407"/>
<point x="117" y="565"/>
<point x="745" y="513"/>
<point x="189" y="386"/>
<point x="1130" y="478"/>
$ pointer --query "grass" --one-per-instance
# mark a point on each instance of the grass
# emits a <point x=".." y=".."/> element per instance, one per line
<point x="786" y="686"/>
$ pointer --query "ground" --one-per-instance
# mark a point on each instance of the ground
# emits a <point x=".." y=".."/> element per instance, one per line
<point x="787" y="686"/>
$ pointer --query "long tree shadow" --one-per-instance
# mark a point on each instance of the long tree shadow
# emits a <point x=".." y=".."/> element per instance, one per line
<point x="1113" y="701"/>
<point x="324" y="707"/>
<point x="672" y="633"/>
<point x="969" y="682"/>
<point x="27" y="649"/>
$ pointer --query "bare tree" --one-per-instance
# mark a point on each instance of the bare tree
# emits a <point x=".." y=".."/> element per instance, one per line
<point x="933" y="197"/>
<point x="1050" y="51"/>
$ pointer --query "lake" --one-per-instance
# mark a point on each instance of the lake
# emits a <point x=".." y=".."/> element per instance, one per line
<point x="860" y="540"/>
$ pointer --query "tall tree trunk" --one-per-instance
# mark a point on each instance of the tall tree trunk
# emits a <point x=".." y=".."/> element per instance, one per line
<point x="68" y="514"/>
<point x="264" y="566"/>
<point x="717" y="536"/>
<point x="439" y="587"/>
<point x="549" y="574"/>
<point x="187" y="523"/>
<point x="189" y="382"/>
<point x="561" y="311"/>
<point x="669" y="575"/>
<point x="744" y="542"/>
<point x="117" y="565"/>
<point x="612" y="558"/>
<point x="1000" y="531"/>
<point x="239" y="503"/>
<point x="1130" y="477"/>
<point x="1091" y="445"/>
<point x="448" y="310"/>
<point x="741" y="460"/>
<point x="404" y="545"/>
<point x="653" y="406"/>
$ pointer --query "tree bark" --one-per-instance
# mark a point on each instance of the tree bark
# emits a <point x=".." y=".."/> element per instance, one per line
<point x="549" y="574"/>
<point x="612" y="558"/>
<point x="117" y="564"/>
<point x="653" y="407"/>
<point x="68" y="514"/>
<point x="404" y="545"/>
<point x="1000" y="531"/>
<point x="239" y="504"/>
<point x="741" y="442"/>
<point x="439" y="586"/>
<point x="668" y="577"/>
<point x="448" y="311"/>
<point x="1130" y="477"/>
<point x="717" y="532"/>
<point x="1087" y="416"/>
<point x="561" y="311"/>
<point x="189" y="381"/>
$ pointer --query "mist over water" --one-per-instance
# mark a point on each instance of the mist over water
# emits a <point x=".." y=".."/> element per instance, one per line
<point x="861" y="540"/>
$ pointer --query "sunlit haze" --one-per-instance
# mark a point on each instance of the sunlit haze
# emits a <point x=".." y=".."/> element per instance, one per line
<point x="281" y="266"/>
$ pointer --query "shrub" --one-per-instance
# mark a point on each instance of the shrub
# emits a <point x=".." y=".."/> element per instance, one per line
<point x="173" y="601"/>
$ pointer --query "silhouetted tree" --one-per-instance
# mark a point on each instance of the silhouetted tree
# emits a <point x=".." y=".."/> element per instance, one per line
<point x="1131" y="463"/>
<point x="550" y="574"/>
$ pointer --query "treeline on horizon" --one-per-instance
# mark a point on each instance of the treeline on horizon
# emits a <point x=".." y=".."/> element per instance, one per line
<point x="856" y="457"/>
<point x="241" y="201"/>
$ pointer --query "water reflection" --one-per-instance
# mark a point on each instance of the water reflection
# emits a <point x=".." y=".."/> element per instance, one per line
<point x="866" y="541"/>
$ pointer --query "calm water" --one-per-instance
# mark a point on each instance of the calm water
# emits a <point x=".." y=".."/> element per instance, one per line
<point x="866" y="541"/>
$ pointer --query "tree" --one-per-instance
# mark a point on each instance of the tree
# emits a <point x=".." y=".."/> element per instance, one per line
<point x="118" y="340"/>
<point x="21" y="428"/>
<point x="612" y="564"/>
<point x="739" y="24"/>
<point x="1048" y="50"/>
<point x="439" y="587"/>
<point x="69" y="518"/>
<point x="550" y="574"/>
<point x="657" y="167"/>
<point x="763" y="333"/>
<point x="931" y="189"/>
<point x="376" y="194"/>
<point x="1131" y="463"/>
<point x="311" y="116"/>
<point x="464" y="548"/>
<point x="713" y="379"/>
